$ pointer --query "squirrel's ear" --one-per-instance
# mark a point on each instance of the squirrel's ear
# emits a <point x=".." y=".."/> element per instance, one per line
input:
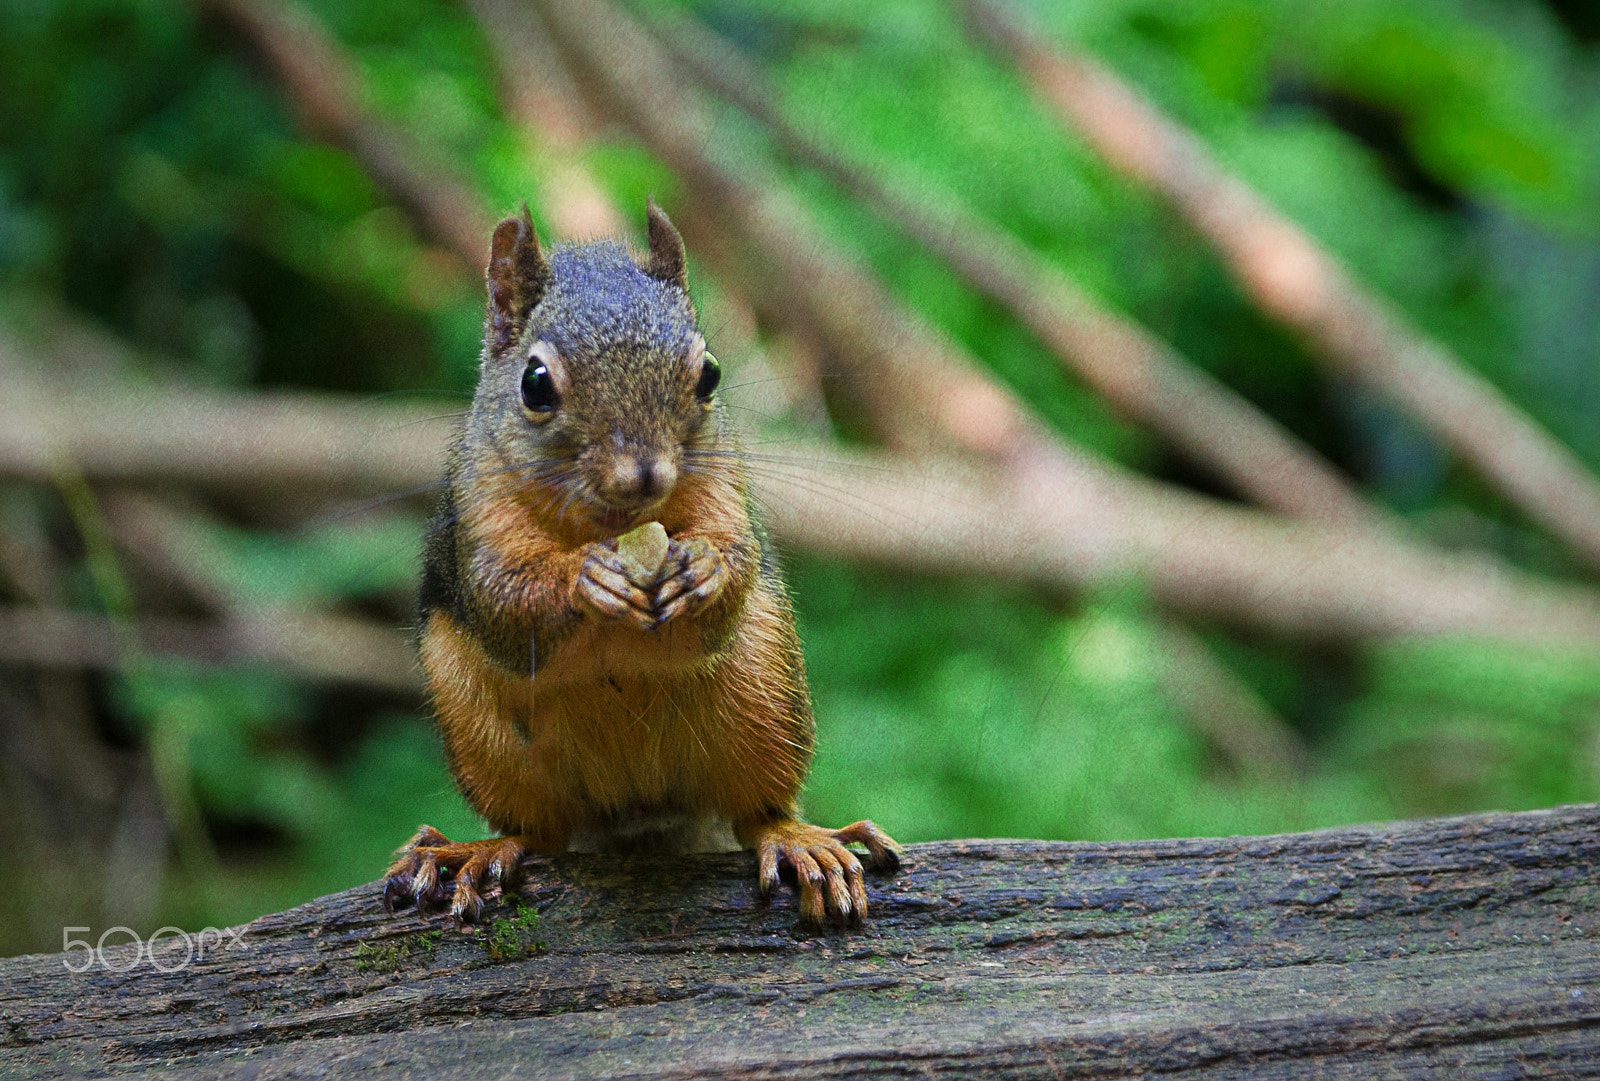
<point x="517" y="276"/>
<point x="666" y="248"/>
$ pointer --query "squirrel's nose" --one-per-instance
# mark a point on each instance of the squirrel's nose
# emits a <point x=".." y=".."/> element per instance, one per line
<point x="635" y="480"/>
<point x="656" y="477"/>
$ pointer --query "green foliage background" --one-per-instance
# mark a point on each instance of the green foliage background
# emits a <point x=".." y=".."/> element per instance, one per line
<point x="153" y="180"/>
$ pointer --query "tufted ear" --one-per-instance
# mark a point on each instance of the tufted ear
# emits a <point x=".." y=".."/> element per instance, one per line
<point x="517" y="276"/>
<point x="666" y="248"/>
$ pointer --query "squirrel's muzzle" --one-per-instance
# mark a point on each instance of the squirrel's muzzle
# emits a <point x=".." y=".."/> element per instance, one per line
<point x="635" y="481"/>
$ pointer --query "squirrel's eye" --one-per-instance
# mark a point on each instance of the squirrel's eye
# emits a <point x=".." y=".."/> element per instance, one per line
<point x="710" y="376"/>
<point x="538" y="389"/>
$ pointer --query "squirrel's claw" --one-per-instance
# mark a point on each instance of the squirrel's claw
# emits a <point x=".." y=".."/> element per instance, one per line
<point x="883" y="851"/>
<point x="411" y="879"/>
<point x="429" y="862"/>
<point x="689" y="577"/>
<point x="829" y="875"/>
<point x="695" y="574"/>
<point x="605" y="588"/>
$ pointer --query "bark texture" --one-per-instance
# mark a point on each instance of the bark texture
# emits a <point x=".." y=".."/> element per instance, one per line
<point x="1463" y="947"/>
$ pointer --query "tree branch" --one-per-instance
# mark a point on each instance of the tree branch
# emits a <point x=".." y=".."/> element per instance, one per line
<point x="286" y="442"/>
<point x="552" y="118"/>
<point x="1461" y="947"/>
<point x="1137" y="373"/>
<point x="1030" y="519"/>
<point x="1302" y="285"/>
<point x="1194" y="555"/>
<point x="327" y="648"/>
<point x="325" y="89"/>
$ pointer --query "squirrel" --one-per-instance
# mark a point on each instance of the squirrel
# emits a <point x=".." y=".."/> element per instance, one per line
<point x="590" y="698"/>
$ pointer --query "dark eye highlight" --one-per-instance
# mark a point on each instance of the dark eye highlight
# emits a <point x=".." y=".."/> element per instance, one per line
<point x="710" y="376"/>
<point x="539" y="389"/>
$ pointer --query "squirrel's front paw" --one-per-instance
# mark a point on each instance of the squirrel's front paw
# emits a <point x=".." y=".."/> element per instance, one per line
<point x="692" y="575"/>
<point x="607" y="587"/>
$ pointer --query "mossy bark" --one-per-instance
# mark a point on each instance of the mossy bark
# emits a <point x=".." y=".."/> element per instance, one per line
<point x="1447" y="948"/>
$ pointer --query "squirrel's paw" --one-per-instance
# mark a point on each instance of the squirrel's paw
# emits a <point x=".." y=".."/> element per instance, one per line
<point x="693" y="574"/>
<point x="426" y="864"/>
<point x="605" y="588"/>
<point x="829" y="874"/>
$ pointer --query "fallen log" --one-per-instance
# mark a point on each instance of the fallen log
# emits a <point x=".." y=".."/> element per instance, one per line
<point x="1459" y="947"/>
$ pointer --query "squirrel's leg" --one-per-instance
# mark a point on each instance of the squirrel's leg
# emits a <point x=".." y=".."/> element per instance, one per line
<point x="498" y="748"/>
<point x="427" y="863"/>
<point x="827" y="872"/>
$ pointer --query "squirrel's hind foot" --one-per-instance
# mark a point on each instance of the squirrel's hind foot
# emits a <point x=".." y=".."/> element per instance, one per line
<point x="828" y="873"/>
<point x="429" y="862"/>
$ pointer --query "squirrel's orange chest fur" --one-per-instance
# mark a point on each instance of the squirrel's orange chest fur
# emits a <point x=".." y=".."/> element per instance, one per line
<point x="618" y="725"/>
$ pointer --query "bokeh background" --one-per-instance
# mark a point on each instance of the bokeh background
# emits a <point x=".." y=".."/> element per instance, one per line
<point x="241" y="246"/>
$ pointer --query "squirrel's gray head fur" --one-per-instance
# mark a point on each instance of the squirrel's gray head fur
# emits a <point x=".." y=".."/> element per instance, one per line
<point x="579" y="277"/>
<point x="598" y="296"/>
<point x="592" y="358"/>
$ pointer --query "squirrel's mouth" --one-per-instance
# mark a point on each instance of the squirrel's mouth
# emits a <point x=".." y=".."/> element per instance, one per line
<point x="615" y="519"/>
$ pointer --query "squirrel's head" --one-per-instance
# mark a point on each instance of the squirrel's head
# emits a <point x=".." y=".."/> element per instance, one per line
<point x="596" y="395"/>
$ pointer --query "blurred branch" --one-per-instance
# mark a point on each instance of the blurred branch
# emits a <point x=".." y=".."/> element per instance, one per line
<point x="180" y="547"/>
<point x="913" y="387"/>
<point x="1227" y="711"/>
<point x="552" y="119"/>
<point x="326" y="90"/>
<point x="1074" y="528"/>
<point x="170" y="544"/>
<point x="1194" y="555"/>
<point x="1298" y="282"/>
<point x="1132" y="369"/>
<point x="322" y="647"/>
<point x="289" y="442"/>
